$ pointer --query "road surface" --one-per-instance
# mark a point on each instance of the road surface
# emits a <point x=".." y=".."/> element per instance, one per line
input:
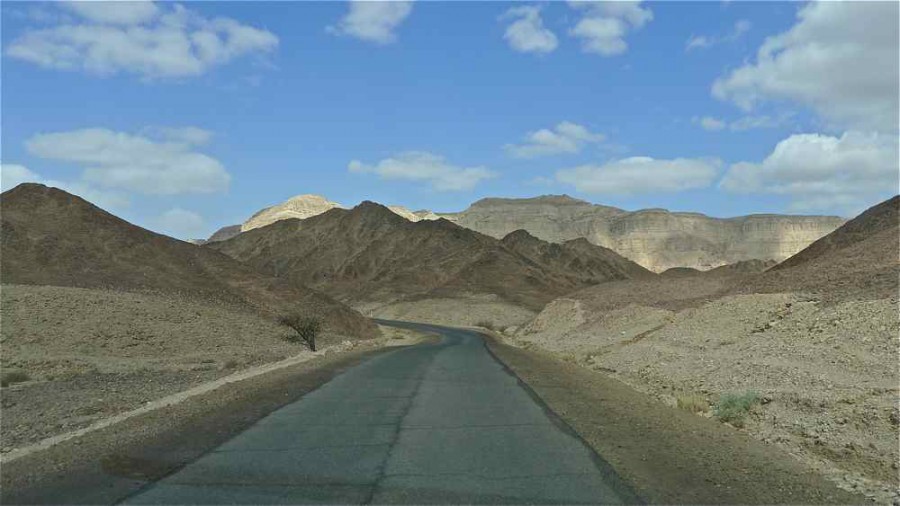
<point x="440" y="422"/>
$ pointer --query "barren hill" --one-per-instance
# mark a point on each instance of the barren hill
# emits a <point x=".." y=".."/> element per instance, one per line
<point x="859" y="260"/>
<point x="578" y="258"/>
<point x="370" y="253"/>
<point x="655" y="238"/>
<point x="50" y="237"/>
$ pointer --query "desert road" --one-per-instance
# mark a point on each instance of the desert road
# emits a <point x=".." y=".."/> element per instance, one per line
<point x="439" y="422"/>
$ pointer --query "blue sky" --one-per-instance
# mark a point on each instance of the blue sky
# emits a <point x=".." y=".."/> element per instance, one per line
<point x="437" y="104"/>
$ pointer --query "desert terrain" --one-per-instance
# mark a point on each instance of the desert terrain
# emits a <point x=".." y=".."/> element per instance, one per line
<point x="656" y="239"/>
<point x="100" y="316"/>
<point x="812" y="343"/>
<point x="369" y="255"/>
<point x="799" y="355"/>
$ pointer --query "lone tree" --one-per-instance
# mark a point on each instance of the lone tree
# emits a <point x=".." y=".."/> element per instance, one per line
<point x="307" y="328"/>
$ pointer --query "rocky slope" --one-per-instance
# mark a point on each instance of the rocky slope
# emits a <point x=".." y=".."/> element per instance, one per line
<point x="815" y="338"/>
<point x="858" y="261"/>
<point x="50" y="237"/>
<point x="372" y="254"/>
<point x="655" y="238"/>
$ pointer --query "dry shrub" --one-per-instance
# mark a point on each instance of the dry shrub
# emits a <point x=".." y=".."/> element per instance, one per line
<point x="692" y="403"/>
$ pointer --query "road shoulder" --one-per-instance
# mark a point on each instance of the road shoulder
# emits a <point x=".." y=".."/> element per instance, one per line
<point x="666" y="455"/>
<point x="107" y="465"/>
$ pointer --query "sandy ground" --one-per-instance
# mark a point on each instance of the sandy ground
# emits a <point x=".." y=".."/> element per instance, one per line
<point x="90" y="354"/>
<point x="469" y="311"/>
<point x="826" y="374"/>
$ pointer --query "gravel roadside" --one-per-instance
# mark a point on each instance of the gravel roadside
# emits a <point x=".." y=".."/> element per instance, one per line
<point x="107" y="465"/>
<point x="667" y="455"/>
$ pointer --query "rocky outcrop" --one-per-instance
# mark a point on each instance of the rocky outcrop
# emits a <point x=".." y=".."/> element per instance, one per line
<point x="300" y="207"/>
<point x="655" y="238"/>
<point x="224" y="233"/>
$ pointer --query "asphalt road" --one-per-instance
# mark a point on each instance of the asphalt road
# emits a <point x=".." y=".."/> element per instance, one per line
<point x="441" y="422"/>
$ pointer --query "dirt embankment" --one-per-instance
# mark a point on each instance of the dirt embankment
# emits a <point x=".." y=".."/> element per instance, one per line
<point x="824" y="376"/>
<point x="82" y="355"/>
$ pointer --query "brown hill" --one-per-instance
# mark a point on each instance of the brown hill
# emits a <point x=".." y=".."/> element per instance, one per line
<point x="742" y="267"/>
<point x="370" y="254"/>
<point x="578" y="259"/>
<point x="859" y="260"/>
<point x="50" y="237"/>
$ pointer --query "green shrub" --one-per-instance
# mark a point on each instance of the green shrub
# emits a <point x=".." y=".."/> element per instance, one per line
<point x="7" y="378"/>
<point x="733" y="408"/>
<point x="307" y="328"/>
<point x="692" y="402"/>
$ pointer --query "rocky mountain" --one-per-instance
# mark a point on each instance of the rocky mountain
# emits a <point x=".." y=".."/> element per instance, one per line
<point x="370" y="253"/>
<point x="859" y="260"/>
<point x="655" y="238"/>
<point x="50" y="237"/>
<point x="300" y="207"/>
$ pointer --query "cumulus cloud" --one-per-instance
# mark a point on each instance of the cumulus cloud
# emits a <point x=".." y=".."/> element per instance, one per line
<point x="527" y="33"/>
<point x="373" y="21"/>
<point x="710" y="124"/>
<point x="840" y="59"/>
<point x="140" y="38"/>
<point x="642" y="174"/>
<point x="180" y="223"/>
<point x="823" y="173"/>
<point x="566" y="137"/>
<point x="115" y="12"/>
<point x="12" y="175"/>
<point x="133" y="162"/>
<point x="749" y="122"/>
<point x="190" y="135"/>
<point x="604" y="25"/>
<point x="704" y="41"/>
<point x="425" y="167"/>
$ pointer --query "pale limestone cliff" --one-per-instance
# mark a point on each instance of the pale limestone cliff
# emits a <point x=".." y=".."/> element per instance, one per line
<point x="300" y="207"/>
<point x="655" y="238"/>
<point x="413" y="215"/>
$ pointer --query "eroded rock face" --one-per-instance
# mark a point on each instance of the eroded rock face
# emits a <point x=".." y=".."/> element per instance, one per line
<point x="655" y="238"/>
<point x="300" y="207"/>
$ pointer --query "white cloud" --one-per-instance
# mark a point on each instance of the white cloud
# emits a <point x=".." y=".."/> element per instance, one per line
<point x="180" y="223"/>
<point x="12" y="175"/>
<point x="710" y="124"/>
<point x="139" y="38"/>
<point x="425" y="167"/>
<point x="821" y="172"/>
<point x="190" y="135"/>
<point x="114" y="12"/>
<point x="527" y="33"/>
<point x="604" y="25"/>
<point x="131" y="162"/>
<point x="698" y="41"/>
<point x="566" y="137"/>
<point x="642" y="174"/>
<point x="840" y="59"/>
<point x="750" y="122"/>
<point x="704" y="41"/>
<point x="373" y="21"/>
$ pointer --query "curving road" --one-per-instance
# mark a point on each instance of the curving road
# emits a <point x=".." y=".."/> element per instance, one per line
<point x="432" y="423"/>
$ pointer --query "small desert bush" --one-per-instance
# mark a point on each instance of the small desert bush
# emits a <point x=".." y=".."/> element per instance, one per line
<point x="488" y="324"/>
<point x="307" y="328"/>
<point x="692" y="402"/>
<point x="7" y="378"/>
<point x="733" y="408"/>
